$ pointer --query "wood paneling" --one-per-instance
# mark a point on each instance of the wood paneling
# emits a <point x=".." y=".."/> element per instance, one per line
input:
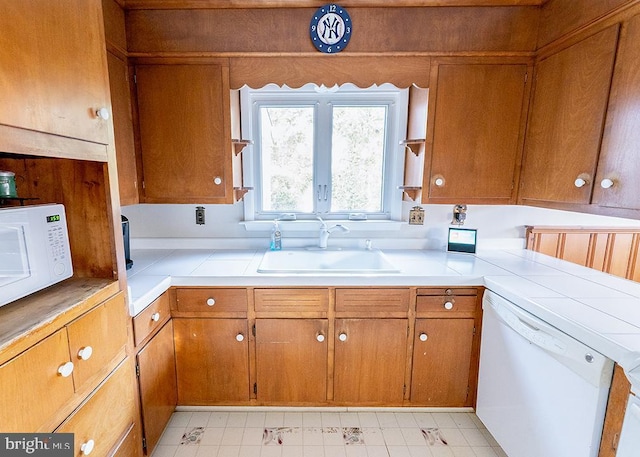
<point x="212" y="301"/>
<point x="372" y="301"/>
<point x="114" y="25"/>
<point x="616" y="407"/>
<point x="402" y="71"/>
<point x="566" y="120"/>
<point x="292" y="301"/>
<point x="151" y="318"/>
<point x="178" y="4"/>
<point x="379" y="30"/>
<point x="619" y="155"/>
<point x="559" y="17"/>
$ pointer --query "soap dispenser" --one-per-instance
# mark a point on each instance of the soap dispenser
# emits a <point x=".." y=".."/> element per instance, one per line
<point x="276" y="237"/>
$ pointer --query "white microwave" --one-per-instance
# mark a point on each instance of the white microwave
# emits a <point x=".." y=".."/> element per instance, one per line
<point x="34" y="250"/>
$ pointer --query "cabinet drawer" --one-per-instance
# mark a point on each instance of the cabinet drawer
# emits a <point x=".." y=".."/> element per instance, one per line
<point x="97" y="339"/>
<point x="151" y="318"/>
<point x="291" y="300"/>
<point x="106" y="416"/>
<point x="372" y="300"/>
<point x="447" y="291"/>
<point x="446" y="306"/>
<point x="31" y="389"/>
<point x="212" y="300"/>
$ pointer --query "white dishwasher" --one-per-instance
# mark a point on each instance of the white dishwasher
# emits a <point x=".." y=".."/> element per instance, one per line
<point x="541" y="393"/>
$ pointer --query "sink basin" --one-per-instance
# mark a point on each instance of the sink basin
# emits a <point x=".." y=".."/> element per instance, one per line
<point x="326" y="261"/>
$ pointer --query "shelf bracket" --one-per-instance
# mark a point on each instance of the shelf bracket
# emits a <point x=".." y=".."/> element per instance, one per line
<point x="239" y="145"/>
<point x="414" y="145"/>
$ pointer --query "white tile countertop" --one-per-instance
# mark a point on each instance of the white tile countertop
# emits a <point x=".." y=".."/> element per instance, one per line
<point x="596" y="308"/>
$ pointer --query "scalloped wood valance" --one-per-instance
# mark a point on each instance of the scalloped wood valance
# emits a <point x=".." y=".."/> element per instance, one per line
<point x="296" y="71"/>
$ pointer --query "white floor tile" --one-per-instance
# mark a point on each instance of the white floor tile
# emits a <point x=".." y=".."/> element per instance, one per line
<point x="312" y="437"/>
<point x="271" y="451"/>
<point x="206" y="451"/>
<point x="229" y="451"/>
<point x="387" y="420"/>
<point x="237" y="420"/>
<point x="463" y="452"/>
<point x="378" y="451"/>
<point x="212" y="436"/>
<point x="250" y="451"/>
<point x="463" y="420"/>
<point x="164" y="451"/>
<point x="199" y="419"/>
<point x="368" y="419"/>
<point x="393" y="437"/>
<point x="424" y="420"/>
<point x="474" y="437"/>
<point x="330" y="419"/>
<point x="444" y="420"/>
<point x="335" y="451"/>
<point x="398" y="451"/>
<point x="311" y="420"/>
<point x="349" y="420"/>
<point x="274" y="419"/>
<point x="413" y="436"/>
<point x="232" y="437"/>
<point x="255" y="419"/>
<point x="356" y="451"/>
<point x="406" y="420"/>
<point x="313" y="451"/>
<point x="179" y="419"/>
<point x="332" y="436"/>
<point x="419" y="451"/>
<point x="186" y="451"/>
<point x="454" y="437"/>
<point x="171" y="436"/>
<point x="292" y="451"/>
<point x="484" y="452"/>
<point x="373" y="437"/>
<point x="252" y="436"/>
<point x="293" y="419"/>
<point x="218" y="419"/>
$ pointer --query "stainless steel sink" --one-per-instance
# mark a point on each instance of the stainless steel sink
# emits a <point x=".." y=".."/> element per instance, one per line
<point x="302" y="261"/>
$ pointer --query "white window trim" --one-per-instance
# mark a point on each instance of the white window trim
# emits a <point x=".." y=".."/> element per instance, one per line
<point x="394" y="160"/>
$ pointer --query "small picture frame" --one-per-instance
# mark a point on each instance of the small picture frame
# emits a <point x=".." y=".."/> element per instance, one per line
<point x="462" y="240"/>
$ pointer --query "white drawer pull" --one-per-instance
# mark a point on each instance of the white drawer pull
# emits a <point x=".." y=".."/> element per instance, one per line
<point x="155" y="317"/>
<point x="320" y="337"/>
<point x="239" y="337"/>
<point x="103" y="113"/>
<point x="85" y="353"/>
<point x="65" y="369"/>
<point x="87" y="447"/>
<point x="606" y="183"/>
<point x="342" y="337"/>
<point x="424" y="337"/>
<point x="448" y="305"/>
<point x="211" y="301"/>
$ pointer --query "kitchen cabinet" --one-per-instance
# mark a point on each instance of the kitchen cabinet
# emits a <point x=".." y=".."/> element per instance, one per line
<point x="55" y="80"/>
<point x="371" y="336"/>
<point x="291" y="361"/>
<point x="619" y="154"/>
<point x="567" y="119"/>
<point x="291" y="345"/>
<point x="475" y="142"/>
<point x="445" y="347"/>
<point x="157" y="384"/>
<point x="185" y="132"/>
<point x="212" y="345"/>
<point x="78" y="363"/>
<point x="370" y="361"/>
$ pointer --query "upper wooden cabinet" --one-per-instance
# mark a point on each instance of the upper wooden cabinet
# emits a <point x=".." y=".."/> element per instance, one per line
<point x="55" y="79"/>
<point x="567" y="118"/>
<point x="185" y="133"/>
<point x="619" y="155"/>
<point x="475" y="142"/>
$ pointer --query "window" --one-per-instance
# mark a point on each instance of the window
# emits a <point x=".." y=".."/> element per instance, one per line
<point x="331" y="152"/>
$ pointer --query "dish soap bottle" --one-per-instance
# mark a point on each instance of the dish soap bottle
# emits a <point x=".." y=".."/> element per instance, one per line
<point x="276" y="237"/>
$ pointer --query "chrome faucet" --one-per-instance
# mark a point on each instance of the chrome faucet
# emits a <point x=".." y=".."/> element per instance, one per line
<point x="326" y="231"/>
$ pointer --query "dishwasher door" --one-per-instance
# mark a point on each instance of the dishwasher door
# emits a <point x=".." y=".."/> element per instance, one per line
<point x="541" y="393"/>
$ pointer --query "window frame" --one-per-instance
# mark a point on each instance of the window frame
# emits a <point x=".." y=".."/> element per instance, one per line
<point x="322" y="99"/>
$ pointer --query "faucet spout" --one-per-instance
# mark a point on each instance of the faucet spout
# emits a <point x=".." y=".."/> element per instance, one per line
<point x="325" y="232"/>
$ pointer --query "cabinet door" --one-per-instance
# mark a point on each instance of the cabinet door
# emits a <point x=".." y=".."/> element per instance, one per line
<point x="441" y="362"/>
<point x="212" y="361"/>
<point x="157" y="380"/>
<point x="54" y="72"/>
<point x="566" y="120"/>
<point x="619" y="156"/>
<point x="31" y="388"/>
<point x="97" y="339"/>
<point x="291" y="360"/>
<point x="370" y="361"/>
<point x="123" y="130"/>
<point x="476" y="136"/>
<point x="185" y="133"/>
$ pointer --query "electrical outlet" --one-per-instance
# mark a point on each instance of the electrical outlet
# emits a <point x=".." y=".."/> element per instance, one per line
<point x="200" y="215"/>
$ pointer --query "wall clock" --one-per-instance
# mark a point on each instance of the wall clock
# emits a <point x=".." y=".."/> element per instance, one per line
<point x="330" y="28"/>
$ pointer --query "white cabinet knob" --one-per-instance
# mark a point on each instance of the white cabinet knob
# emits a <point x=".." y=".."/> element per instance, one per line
<point x="65" y="369"/>
<point x="85" y="353"/>
<point x="211" y="302"/>
<point x="103" y="113"/>
<point x="217" y="180"/>
<point x="239" y="337"/>
<point x="579" y="182"/>
<point x="342" y="337"/>
<point x="320" y="337"/>
<point x="439" y="181"/>
<point x="155" y="317"/>
<point x="87" y="448"/>
<point x="423" y="337"/>
<point x="448" y="305"/>
<point x="606" y="183"/>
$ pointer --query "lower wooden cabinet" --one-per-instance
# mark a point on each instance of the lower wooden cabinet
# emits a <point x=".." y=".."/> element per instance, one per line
<point x="370" y="361"/>
<point x="442" y="351"/>
<point x="106" y="416"/>
<point x="212" y="361"/>
<point x="157" y="383"/>
<point x="291" y="361"/>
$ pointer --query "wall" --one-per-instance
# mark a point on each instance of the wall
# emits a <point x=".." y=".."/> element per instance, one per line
<point x="173" y="226"/>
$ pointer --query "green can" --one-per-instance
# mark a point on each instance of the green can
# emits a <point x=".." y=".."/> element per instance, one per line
<point x="8" y="184"/>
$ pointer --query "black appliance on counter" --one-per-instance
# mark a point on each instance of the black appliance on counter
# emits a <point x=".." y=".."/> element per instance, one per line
<point x="127" y="248"/>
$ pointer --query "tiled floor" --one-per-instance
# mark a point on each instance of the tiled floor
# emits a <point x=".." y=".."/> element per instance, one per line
<point x="370" y="433"/>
